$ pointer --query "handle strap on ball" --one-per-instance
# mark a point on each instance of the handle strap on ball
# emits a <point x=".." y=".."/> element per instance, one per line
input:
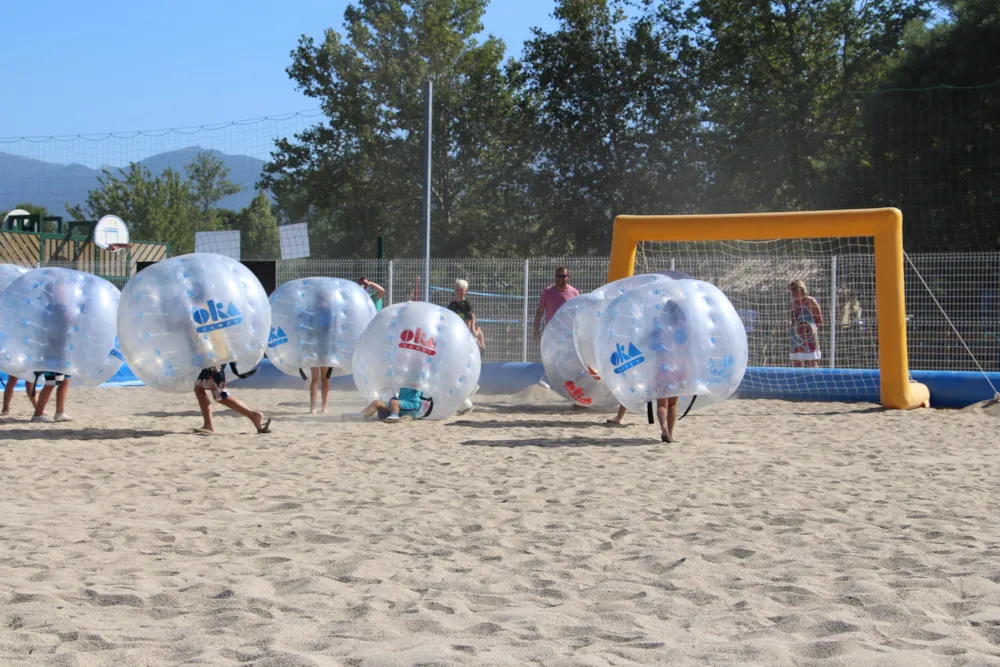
<point x="242" y="376"/>
<point x="303" y="374"/>
<point x="690" y="405"/>
<point x="649" y="412"/>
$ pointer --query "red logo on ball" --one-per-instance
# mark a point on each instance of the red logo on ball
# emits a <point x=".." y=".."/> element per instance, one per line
<point x="419" y="341"/>
<point x="577" y="393"/>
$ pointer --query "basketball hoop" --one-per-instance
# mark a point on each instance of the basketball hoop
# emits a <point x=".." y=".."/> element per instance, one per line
<point x="111" y="233"/>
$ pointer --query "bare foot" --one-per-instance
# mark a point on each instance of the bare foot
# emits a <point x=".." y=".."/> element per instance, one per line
<point x="312" y="411"/>
<point x="5" y="413"/>
<point x="323" y="410"/>
<point x="263" y="425"/>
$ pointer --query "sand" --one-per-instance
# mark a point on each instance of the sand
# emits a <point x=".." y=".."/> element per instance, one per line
<point x="773" y="533"/>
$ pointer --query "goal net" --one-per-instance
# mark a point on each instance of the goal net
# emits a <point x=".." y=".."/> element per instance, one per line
<point x="849" y="262"/>
<point x="835" y="327"/>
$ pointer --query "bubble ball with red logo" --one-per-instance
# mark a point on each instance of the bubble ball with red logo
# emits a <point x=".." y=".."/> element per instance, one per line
<point x="671" y="338"/>
<point x="192" y="312"/>
<point x="317" y="323"/>
<point x="418" y="345"/>
<point x="59" y="321"/>
<point x="564" y="370"/>
<point x="588" y="314"/>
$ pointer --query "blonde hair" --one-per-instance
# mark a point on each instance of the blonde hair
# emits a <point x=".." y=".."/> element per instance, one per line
<point x="799" y="285"/>
<point x="464" y="284"/>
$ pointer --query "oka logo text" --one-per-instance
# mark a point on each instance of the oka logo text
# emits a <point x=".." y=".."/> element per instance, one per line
<point x="418" y="340"/>
<point x="623" y="359"/>
<point x="277" y="337"/>
<point x="217" y="316"/>
<point x="577" y="393"/>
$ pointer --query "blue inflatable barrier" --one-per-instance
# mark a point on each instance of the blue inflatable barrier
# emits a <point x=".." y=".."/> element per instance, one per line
<point x="949" y="389"/>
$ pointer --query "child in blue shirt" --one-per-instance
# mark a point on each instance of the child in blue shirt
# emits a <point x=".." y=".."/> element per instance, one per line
<point x="407" y="404"/>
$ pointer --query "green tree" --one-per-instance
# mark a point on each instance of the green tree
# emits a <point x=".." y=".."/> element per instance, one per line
<point x="210" y="184"/>
<point x="258" y="227"/>
<point x="779" y="79"/>
<point x="931" y="136"/>
<point x="615" y="119"/>
<point x="156" y="209"/>
<point x="358" y="175"/>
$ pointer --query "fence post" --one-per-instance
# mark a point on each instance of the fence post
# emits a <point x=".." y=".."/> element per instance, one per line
<point x="832" y="313"/>
<point x="524" y="320"/>
<point x="388" y="287"/>
<point x="673" y="264"/>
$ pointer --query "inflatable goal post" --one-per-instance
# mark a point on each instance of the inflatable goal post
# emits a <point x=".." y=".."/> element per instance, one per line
<point x="851" y="263"/>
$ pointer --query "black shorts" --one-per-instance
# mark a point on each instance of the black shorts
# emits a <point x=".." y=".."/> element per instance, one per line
<point x="214" y="380"/>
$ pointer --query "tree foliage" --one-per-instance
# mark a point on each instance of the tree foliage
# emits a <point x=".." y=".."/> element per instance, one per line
<point x="165" y="208"/>
<point x="624" y="106"/>
<point x="258" y="229"/>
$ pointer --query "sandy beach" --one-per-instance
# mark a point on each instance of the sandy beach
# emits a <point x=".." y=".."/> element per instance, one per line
<point x="773" y="533"/>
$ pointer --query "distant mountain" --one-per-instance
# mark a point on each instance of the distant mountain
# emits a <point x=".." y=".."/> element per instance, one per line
<point x="30" y="181"/>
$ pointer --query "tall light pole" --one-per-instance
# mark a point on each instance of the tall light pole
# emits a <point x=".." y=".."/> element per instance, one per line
<point x="428" y="117"/>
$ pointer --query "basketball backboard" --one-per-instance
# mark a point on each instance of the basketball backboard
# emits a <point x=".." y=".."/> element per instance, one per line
<point x="110" y="231"/>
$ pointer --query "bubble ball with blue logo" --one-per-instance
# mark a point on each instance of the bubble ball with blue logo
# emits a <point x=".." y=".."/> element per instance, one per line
<point x="317" y="322"/>
<point x="60" y="321"/>
<point x="671" y="338"/>
<point x="565" y="372"/>
<point x="181" y="315"/>
<point x="418" y="345"/>
<point x="589" y="312"/>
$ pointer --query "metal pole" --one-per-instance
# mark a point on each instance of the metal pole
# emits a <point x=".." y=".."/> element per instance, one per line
<point x="428" y="132"/>
<point x="388" y="287"/>
<point x="524" y="342"/>
<point x="832" y="313"/>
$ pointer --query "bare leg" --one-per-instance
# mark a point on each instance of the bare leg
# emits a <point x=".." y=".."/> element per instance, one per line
<point x="205" y="404"/>
<point x="394" y="406"/>
<point x="43" y="399"/>
<point x="666" y="414"/>
<point x="29" y="389"/>
<point x="62" y="391"/>
<point x="8" y="392"/>
<point x="617" y="419"/>
<point x="373" y="409"/>
<point x="324" y="387"/>
<point x="313" y="389"/>
<point x="237" y="405"/>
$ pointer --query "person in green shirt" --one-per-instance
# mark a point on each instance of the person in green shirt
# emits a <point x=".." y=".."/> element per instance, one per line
<point x="375" y="291"/>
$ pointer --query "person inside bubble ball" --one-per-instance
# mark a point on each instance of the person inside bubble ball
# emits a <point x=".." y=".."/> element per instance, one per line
<point x="8" y="393"/>
<point x="375" y="291"/>
<point x="211" y="383"/>
<point x="59" y="323"/>
<point x="669" y="341"/>
<point x="408" y="403"/>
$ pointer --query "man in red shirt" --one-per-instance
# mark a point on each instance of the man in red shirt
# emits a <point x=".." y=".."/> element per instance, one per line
<point x="553" y="297"/>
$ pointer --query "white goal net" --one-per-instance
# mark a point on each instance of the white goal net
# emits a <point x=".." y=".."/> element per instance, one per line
<point x="824" y="338"/>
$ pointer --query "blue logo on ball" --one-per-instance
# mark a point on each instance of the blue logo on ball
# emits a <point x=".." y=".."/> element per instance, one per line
<point x="277" y="337"/>
<point x="215" y="317"/>
<point x="623" y="359"/>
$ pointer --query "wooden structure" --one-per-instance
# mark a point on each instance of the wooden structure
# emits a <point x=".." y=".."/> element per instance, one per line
<point x="23" y="243"/>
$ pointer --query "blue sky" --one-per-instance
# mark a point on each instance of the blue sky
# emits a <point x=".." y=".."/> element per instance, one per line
<point x="116" y="66"/>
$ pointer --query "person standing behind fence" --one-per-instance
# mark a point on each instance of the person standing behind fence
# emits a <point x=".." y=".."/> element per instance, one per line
<point x="804" y="334"/>
<point x="376" y="292"/>
<point x="463" y="308"/>
<point x="552" y="299"/>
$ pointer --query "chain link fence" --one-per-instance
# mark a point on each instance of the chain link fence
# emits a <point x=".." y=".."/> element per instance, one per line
<point x="505" y="292"/>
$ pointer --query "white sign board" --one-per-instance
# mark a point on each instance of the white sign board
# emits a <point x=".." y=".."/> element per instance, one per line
<point x="294" y="240"/>
<point x="221" y="243"/>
